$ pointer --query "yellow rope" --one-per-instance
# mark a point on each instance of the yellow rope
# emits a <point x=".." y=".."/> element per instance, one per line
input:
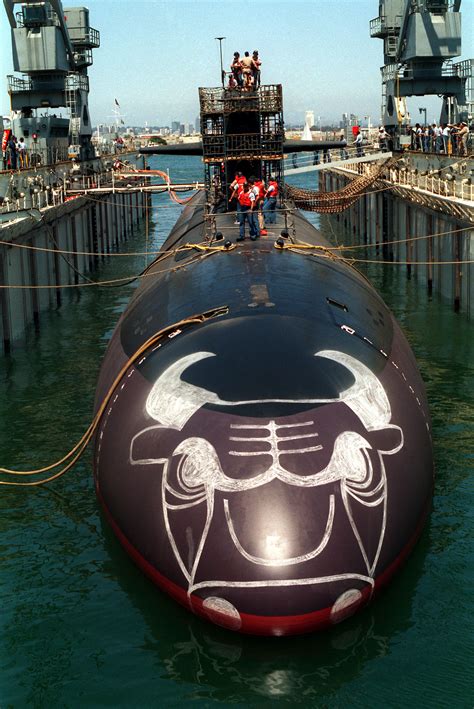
<point x="341" y="247"/>
<point x="111" y="281"/>
<point x="75" y="453"/>
<point x="324" y="252"/>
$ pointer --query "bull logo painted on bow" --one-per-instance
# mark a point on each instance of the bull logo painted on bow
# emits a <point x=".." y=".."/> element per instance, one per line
<point x="345" y="472"/>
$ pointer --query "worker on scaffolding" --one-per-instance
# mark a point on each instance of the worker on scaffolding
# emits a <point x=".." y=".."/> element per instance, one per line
<point x="236" y="69"/>
<point x="248" y="68"/>
<point x="256" y="69"/>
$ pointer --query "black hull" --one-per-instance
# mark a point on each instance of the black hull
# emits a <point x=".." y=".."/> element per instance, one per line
<point x="271" y="467"/>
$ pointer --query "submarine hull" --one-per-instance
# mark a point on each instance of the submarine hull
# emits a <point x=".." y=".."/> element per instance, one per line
<point x="269" y="467"/>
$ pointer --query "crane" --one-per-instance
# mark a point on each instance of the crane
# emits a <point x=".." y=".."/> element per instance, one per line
<point x="421" y="38"/>
<point x="52" y="48"/>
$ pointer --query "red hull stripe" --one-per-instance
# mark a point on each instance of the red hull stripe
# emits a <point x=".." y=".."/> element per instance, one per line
<point x="256" y="624"/>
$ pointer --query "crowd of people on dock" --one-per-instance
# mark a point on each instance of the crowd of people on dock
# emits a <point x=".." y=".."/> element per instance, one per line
<point x="14" y="152"/>
<point x="255" y="203"/>
<point x="245" y="71"/>
<point x="446" y="138"/>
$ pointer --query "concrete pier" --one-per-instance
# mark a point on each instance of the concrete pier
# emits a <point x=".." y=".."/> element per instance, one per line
<point x="97" y="226"/>
<point x="427" y="229"/>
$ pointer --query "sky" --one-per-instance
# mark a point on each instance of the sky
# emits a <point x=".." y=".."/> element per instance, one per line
<point x="155" y="53"/>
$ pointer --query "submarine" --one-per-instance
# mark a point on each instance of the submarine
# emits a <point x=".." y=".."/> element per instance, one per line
<point x="265" y="452"/>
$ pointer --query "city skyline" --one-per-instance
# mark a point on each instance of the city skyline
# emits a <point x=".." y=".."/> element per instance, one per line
<point x="322" y="54"/>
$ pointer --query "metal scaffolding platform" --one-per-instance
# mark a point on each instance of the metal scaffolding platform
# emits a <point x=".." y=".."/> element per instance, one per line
<point x="241" y="131"/>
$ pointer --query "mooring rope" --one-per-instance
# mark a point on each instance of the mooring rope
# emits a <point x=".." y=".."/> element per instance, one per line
<point x="330" y="253"/>
<point x="204" y="250"/>
<point x="67" y="461"/>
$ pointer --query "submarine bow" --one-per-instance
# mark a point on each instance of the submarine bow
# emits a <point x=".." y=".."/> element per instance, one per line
<point x="270" y="468"/>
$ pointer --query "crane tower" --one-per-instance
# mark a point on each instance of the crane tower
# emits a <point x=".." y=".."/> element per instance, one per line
<point x="421" y="38"/>
<point x="52" y="48"/>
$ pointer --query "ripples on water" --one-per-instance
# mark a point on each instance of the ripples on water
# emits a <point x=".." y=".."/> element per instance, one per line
<point x="80" y="625"/>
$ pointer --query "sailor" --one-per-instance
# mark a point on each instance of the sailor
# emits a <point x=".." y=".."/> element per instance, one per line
<point x="12" y="152"/>
<point x="437" y="138"/>
<point x="256" y="69"/>
<point x="236" y="68"/>
<point x="253" y="187"/>
<point x="22" y="154"/>
<point x="269" y="206"/>
<point x="247" y="205"/>
<point x="260" y="185"/>
<point x="446" y="138"/>
<point x="248" y="66"/>
<point x="235" y="186"/>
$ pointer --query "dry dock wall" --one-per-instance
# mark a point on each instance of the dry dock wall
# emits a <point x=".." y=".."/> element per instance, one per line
<point x="79" y="225"/>
<point x="429" y="245"/>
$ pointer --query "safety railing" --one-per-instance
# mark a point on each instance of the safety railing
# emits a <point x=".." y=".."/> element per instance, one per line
<point x="451" y="181"/>
<point x="304" y="161"/>
<point x="394" y="71"/>
<point x="77" y="82"/>
<point x="84" y="36"/>
<point x="267" y="98"/>
<point x="17" y="84"/>
<point x="381" y="27"/>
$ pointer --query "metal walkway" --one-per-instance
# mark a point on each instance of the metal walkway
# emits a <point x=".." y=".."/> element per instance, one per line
<point x="306" y="162"/>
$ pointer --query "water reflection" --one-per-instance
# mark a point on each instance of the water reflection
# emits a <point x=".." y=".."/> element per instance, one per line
<point x="232" y="667"/>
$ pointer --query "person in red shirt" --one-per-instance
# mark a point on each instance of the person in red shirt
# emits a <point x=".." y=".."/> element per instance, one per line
<point x="247" y="203"/>
<point x="258" y="186"/>
<point x="235" y="187"/>
<point x="269" y="205"/>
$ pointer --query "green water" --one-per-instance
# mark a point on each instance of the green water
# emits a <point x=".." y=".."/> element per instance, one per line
<point x="81" y="627"/>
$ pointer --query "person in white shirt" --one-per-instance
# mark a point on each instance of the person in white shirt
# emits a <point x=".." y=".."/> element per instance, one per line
<point x="358" y="144"/>
<point x="446" y="138"/>
<point x="438" y="138"/>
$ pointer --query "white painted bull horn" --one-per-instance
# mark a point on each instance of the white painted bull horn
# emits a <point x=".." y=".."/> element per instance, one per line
<point x="366" y="397"/>
<point x="171" y="401"/>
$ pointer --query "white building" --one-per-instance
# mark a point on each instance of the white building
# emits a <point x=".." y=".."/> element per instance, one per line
<point x="309" y="119"/>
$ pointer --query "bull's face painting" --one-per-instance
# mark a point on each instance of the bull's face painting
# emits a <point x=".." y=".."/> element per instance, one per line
<point x="251" y="504"/>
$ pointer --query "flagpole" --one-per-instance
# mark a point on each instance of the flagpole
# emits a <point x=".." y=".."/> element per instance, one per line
<point x="219" y="39"/>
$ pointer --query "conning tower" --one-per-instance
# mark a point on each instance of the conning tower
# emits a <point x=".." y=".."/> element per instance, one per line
<point x="241" y="131"/>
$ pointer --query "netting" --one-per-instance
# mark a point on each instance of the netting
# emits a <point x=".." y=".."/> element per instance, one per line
<point x="334" y="202"/>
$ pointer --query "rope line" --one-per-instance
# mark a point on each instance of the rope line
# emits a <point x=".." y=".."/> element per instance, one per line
<point x="325" y="252"/>
<point x="205" y="251"/>
<point x="341" y="247"/>
<point x="68" y="460"/>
